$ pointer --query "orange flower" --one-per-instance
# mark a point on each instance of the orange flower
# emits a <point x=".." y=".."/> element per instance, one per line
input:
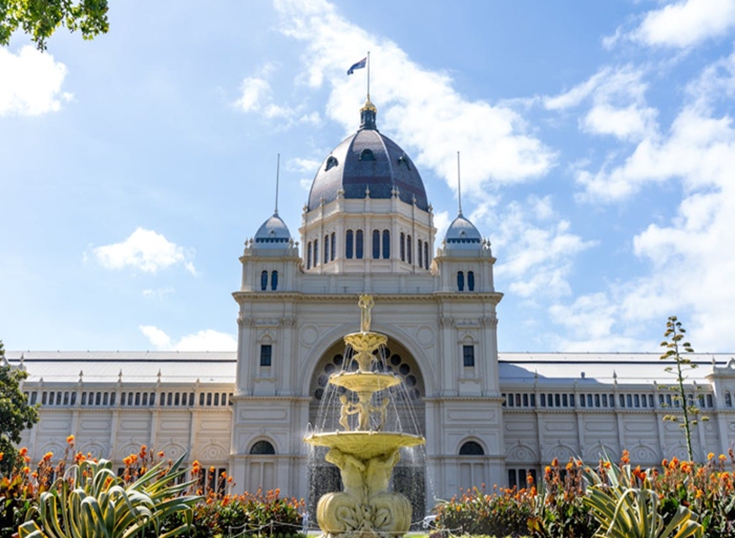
<point x="555" y="462"/>
<point x="70" y="439"/>
<point x="626" y="457"/>
<point x="710" y="455"/>
<point x="48" y="456"/>
<point x="160" y="454"/>
<point x="23" y="451"/>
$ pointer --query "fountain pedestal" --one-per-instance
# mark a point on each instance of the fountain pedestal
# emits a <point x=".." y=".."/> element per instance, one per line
<point x="365" y="455"/>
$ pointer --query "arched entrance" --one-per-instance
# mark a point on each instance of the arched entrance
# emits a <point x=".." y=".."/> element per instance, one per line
<point x="410" y="473"/>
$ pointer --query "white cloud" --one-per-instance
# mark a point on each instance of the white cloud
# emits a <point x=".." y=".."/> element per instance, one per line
<point x="497" y="145"/>
<point x="145" y="250"/>
<point x="159" y="293"/>
<point x="535" y="247"/>
<point x="253" y="93"/>
<point x="618" y="104"/>
<point x="256" y="96"/>
<point x="690" y="258"/>
<point x="205" y="340"/>
<point x="30" y="83"/>
<point x="686" y="23"/>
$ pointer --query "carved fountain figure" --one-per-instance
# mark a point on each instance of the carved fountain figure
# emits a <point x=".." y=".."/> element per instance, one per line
<point x="365" y="454"/>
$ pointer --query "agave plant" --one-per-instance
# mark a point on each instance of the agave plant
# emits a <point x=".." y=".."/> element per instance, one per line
<point x="626" y="506"/>
<point x="91" y="501"/>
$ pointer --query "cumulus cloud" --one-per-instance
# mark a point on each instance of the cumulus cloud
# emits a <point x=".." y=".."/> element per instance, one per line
<point x="497" y="145"/>
<point x="30" y="83"/>
<point x="618" y="105"/>
<point x="145" y="250"/>
<point x="690" y="258"/>
<point x="205" y="340"/>
<point x="534" y="246"/>
<point x="256" y="96"/>
<point x="680" y="25"/>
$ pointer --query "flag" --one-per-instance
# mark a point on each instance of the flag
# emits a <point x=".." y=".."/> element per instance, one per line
<point x="358" y="65"/>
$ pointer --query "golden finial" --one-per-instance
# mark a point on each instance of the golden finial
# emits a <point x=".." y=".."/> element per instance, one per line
<point x="369" y="106"/>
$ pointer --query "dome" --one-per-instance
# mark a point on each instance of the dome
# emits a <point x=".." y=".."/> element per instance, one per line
<point x="462" y="234"/>
<point x="273" y="233"/>
<point x="367" y="161"/>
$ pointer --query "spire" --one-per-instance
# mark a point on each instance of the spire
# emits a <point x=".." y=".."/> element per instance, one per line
<point x="459" y="187"/>
<point x="278" y="172"/>
<point x="368" y="112"/>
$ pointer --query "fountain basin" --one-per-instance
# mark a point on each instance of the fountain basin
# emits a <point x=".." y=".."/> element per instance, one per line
<point x="365" y="445"/>
<point x="364" y="381"/>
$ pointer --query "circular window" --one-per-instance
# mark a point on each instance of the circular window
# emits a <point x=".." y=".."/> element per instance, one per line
<point x="404" y="369"/>
<point x="337" y="360"/>
<point x="318" y="393"/>
<point x="395" y="360"/>
<point x="322" y="381"/>
<point x="411" y="380"/>
<point x="329" y="368"/>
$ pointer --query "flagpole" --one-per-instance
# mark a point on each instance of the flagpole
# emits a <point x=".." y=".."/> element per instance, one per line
<point x="278" y="174"/>
<point x="459" y="186"/>
<point x="368" y="76"/>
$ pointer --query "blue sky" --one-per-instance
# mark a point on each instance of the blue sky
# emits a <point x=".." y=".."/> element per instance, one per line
<point x="597" y="155"/>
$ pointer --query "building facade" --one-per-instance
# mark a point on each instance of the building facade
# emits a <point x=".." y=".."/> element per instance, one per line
<point x="488" y="418"/>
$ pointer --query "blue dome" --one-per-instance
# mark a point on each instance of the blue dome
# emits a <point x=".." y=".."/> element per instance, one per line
<point x="273" y="233"/>
<point x="463" y="234"/>
<point x="366" y="161"/>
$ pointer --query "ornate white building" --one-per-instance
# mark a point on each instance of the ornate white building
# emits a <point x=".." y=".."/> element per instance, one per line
<point x="368" y="228"/>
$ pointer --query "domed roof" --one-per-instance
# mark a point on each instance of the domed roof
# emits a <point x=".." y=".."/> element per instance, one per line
<point x="462" y="234"/>
<point x="368" y="161"/>
<point x="273" y="233"/>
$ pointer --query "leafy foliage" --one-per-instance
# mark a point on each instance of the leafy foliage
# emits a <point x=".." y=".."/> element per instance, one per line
<point x="91" y="501"/>
<point x="41" y="18"/>
<point x="15" y="413"/>
<point x="626" y="506"/>
<point x="675" y="350"/>
<point x="681" y="499"/>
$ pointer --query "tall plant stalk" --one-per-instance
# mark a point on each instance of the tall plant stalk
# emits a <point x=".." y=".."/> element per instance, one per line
<point x="675" y="348"/>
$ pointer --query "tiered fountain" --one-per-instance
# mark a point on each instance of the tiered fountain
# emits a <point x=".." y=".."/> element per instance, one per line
<point x="364" y="453"/>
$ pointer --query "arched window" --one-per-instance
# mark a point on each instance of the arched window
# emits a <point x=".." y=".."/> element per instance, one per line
<point x="262" y="448"/>
<point x="348" y="244"/>
<point x="367" y="155"/>
<point x="264" y="280"/>
<point x="418" y="254"/>
<point x="376" y="244"/>
<point x="460" y="281"/>
<point x="308" y="256"/>
<point x="728" y="399"/>
<point x="326" y="248"/>
<point x="403" y="247"/>
<point x="471" y="280"/>
<point x="471" y="448"/>
<point x="274" y="280"/>
<point x="426" y="254"/>
<point x="316" y="252"/>
<point x="333" y="247"/>
<point x="409" y="254"/>
<point x="386" y="244"/>
<point x="359" y="243"/>
<point x="331" y="163"/>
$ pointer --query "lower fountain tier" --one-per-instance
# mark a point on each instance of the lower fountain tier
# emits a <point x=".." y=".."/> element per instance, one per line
<point x="365" y="445"/>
